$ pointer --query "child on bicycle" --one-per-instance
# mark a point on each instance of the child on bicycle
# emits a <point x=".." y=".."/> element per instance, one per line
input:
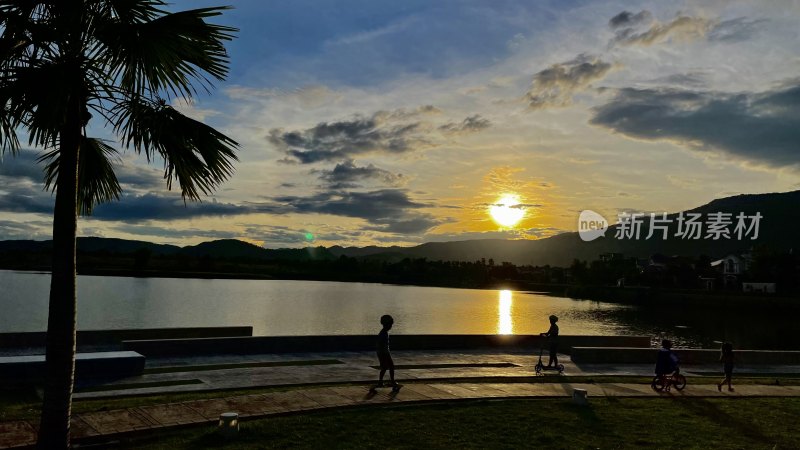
<point x="667" y="362"/>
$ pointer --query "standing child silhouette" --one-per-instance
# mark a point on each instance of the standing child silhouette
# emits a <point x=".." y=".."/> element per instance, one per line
<point x="726" y="358"/>
<point x="384" y="356"/>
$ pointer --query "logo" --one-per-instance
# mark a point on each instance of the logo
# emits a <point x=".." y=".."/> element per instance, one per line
<point x="591" y="225"/>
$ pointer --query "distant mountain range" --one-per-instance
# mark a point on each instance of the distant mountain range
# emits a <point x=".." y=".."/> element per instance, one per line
<point x="778" y="231"/>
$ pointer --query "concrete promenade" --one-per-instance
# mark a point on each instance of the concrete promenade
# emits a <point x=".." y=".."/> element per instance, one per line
<point x="427" y="377"/>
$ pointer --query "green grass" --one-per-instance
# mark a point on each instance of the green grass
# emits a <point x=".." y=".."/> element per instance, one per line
<point x="124" y="386"/>
<point x="753" y="423"/>
<point x="205" y="367"/>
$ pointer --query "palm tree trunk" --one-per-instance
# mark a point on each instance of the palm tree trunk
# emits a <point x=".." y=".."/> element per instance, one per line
<point x="62" y="316"/>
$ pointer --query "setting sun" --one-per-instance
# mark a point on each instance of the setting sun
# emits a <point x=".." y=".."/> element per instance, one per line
<point x="507" y="211"/>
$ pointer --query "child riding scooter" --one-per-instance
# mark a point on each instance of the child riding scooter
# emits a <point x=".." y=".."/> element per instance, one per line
<point x="552" y="334"/>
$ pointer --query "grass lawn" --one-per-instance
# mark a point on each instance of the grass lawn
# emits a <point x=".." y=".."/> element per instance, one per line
<point x="702" y="423"/>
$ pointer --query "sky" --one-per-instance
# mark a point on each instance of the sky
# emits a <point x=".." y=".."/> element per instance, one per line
<point x="397" y="123"/>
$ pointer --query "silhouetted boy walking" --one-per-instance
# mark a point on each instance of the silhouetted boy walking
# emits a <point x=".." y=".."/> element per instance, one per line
<point x="384" y="356"/>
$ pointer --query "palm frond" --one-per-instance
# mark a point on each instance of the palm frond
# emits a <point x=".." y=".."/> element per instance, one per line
<point x="196" y="155"/>
<point x="167" y="54"/>
<point x="97" y="182"/>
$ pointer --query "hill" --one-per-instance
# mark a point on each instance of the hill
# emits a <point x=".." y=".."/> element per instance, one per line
<point x="777" y="231"/>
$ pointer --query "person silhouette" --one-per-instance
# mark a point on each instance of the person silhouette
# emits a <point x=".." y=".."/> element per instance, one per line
<point x="667" y="361"/>
<point x="384" y="355"/>
<point x="726" y="358"/>
<point x="552" y="334"/>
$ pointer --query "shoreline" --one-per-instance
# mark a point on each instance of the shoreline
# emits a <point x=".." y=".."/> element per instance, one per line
<point x="631" y="295"/>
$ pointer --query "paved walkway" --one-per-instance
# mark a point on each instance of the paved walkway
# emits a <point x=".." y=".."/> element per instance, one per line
<point x="185" y="376"/>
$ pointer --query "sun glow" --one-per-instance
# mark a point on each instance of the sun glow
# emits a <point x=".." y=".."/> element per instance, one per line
<point x="507" y="211"/>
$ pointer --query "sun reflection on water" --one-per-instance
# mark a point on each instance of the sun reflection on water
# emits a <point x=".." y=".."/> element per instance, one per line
<point x="505" y="324"/>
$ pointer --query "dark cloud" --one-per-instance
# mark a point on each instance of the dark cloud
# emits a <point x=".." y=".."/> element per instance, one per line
<point x="22" y="165"/>
<point x="387" y="210"/>
<point x="629" y="19"/>
<point x="365" y="205"/>
<point x="757" y="127"/>
<point x="347" y="175"/>
<point x="133" y="208"/>
<point x="133" y="176"/>
<point x="681" y="28"/>
<point x="420" y="223"/>
<point x="174" y="233"/>
<point x="555" y="86"/>
<point x="26" y="199"/>
<point x="736" y="30"/>
<point x="339" y="141"/>
<point x="471" y="124"/>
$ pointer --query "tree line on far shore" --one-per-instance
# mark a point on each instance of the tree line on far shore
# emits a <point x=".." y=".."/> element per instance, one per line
<point x="765" y="265"/>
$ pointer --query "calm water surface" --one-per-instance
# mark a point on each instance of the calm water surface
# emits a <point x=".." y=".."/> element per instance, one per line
<point x="287" y="307"/>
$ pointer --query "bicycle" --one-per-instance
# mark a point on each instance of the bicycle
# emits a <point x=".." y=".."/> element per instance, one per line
<point x="663" y="383"/>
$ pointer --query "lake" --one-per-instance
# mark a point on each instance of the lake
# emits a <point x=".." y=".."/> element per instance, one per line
<point x="290" y="307"/>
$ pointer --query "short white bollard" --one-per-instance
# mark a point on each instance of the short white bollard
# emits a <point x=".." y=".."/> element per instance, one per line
<point x="580" y="397"/>
<point x="229" y="424"/>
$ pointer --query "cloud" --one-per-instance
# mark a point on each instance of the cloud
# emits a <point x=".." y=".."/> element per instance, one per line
<point x="134" y="208"/>
<point x="629" y="19"/>
<point x="471" y="124"/>
<point x="134" y="176"/>
<point x="556" y="85"/>
<point x="529" y="233"/>
<point x="36" y="230"/>
<point x="387" y="210"/>
<point x="681" y="28"/>
<point x="347" y="174"/>
<point x="419" y="223"/>
<point x="736" y="30"/>
<point x="277" y="236"/>
<point x="370" y="35"/>
<point x="760" y="128"/>
<point x="174" y="233"/>
<point x="26" y="199"/>
<point x="385" y="132"/>
<point x="693" y="79"/>
<point x="22" y="165"/>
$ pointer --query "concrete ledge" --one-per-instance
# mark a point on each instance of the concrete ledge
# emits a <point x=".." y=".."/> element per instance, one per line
<point x="626" y="355"/>
<point x="31" y="368"/>
<point x="299" y="344"/>
<point x="100" y="337"/>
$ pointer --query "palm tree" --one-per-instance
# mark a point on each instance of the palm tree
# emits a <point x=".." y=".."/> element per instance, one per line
<point x="64" y="63"/>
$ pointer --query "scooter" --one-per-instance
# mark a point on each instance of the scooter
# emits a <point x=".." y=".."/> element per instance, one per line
<point x="539" y="367"/>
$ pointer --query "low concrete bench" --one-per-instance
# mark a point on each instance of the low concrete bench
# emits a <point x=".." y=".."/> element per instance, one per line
<point x="107" y="337"/>
<point x="31" y="368"/>
<point x="628" y="355"/>
<point x="347" y="343"/>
